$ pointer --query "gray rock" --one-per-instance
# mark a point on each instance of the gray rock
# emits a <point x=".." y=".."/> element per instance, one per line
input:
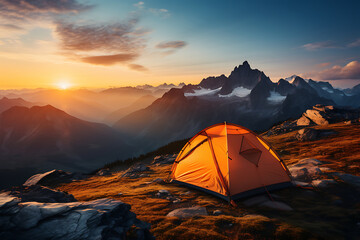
<point x="305" y="170"/>
<point x="38" y="193"/>
<point x="104" y="172"/>
<point x="323" y="183"/>
<point x="164" y="191"/>
<point x="277" y="205"/>
<point x="158" y="180"/>
<point x="136" y="171"/>
<point x="217" y="212"/>
<point x="307" y="134"/>
<point x="98" y="219"/>
<point x="53" y="177"/>
<point x="188" y="212"/>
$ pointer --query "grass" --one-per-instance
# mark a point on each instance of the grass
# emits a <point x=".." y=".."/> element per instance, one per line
<point x="315" y="215"/>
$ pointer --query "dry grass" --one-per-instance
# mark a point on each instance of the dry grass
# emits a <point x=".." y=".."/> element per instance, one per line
<point x="315" y="216"/>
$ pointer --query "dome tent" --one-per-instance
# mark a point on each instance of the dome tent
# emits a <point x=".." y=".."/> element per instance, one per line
<point x="231" y="162"/>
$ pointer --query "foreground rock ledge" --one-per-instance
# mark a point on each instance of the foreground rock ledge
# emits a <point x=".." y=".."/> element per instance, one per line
<point x="98" y="219"/>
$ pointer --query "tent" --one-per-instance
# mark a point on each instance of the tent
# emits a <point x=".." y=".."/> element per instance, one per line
<point x="231" y="162"/>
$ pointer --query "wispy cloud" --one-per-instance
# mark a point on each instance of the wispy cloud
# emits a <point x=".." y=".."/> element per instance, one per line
<point x="330" y="44"/>
<point x="349" y="71"/>
<point x="319" y="45"/>
<point x="123" y="37"/>
<point x="138" y="67"/>
<point x="107" y="44"/>
<point x="161" y="12"/>
<point x="171" y="45"/>
<point x="107" y="60"/>
<point x="356" y="43"/>
<point x="23" y="10"/>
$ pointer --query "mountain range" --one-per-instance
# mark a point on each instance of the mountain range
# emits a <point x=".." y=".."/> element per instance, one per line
<point x="40" y="138"/>
<point x="67" y="134"/>
<point x="246" y="97"/>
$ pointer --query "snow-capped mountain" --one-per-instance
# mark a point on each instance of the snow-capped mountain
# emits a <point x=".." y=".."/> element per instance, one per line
<point x="247" y="97"/>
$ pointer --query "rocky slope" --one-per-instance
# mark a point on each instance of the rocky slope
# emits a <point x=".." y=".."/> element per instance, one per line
<point x="326" y="206"/>
<point x="41" y="213"/>
<point x="43" y="138"/>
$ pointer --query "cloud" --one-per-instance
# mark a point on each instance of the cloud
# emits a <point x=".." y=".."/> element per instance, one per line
<point x="171" y="45"/>
<point x="23" y="10"/>
<point x="161" y="12"/>
<point x="122" y="37"/>
<point x="356" y="43"/>
<point x="106" y="44"/>
<point x="349" y="71"/>
<point x="325" y="64"/>
<point x="138" y="67"/>
<point x="9" y="26"/>
<point x="108" y="60"/>
<point x="139" y="5"/>
<point x="318" y="45"/>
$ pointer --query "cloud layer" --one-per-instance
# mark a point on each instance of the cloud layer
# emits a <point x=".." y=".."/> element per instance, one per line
<point x="122" y="37"/>
<point x="23" y="10"/>
<point x="349" y="71"/>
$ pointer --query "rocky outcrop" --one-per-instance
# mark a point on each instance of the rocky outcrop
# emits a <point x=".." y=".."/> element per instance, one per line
<point x="53" y="177"/>
<point x="97" y="219"/>
<point x="42" y="194"/>
<point x="136" y="171"/>
<point x="306" y="169"/>
<point x="307" y="134"/>
<point x="310" y="134"/>
<point x="323" y="115"/>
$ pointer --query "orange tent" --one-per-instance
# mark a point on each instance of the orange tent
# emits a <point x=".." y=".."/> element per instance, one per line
<point x="231" y="162"/>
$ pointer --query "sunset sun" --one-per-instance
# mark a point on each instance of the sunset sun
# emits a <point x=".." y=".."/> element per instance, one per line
<point x="63" y="84"/>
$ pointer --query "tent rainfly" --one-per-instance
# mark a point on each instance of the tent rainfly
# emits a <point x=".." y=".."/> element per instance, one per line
<point x="231" y="162"/>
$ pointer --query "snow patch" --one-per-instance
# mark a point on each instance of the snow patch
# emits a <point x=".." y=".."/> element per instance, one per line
<point x="202" y="92"/>
<point x="327" y="89"/>
<point x="238" y="92"/>
<point x="276" y="97"/>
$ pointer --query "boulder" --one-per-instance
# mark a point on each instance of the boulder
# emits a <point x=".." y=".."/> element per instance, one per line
<point x="98" y="219"/>
<point x="307" y="134"/>
<point x="303" y="121"/>
<point x="53" y="177"/>
<point x="305" y="169"/>
<point x="136" y="171"/>
<point x="42" y="194"/>
<point x="188" y="212"/>
<point x="323" y="183"/>
<point x="318" y="117"/>
<point x="217" y="212"/>
<point x="104" y="172"/>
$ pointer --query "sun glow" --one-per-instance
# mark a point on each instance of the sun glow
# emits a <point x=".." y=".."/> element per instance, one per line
<point x="63" y="84"/>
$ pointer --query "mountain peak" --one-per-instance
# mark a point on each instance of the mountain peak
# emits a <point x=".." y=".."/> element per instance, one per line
<point x="246" y="64"/>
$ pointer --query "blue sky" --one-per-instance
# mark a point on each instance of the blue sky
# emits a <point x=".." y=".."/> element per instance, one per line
<point x="186" y="40"/>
